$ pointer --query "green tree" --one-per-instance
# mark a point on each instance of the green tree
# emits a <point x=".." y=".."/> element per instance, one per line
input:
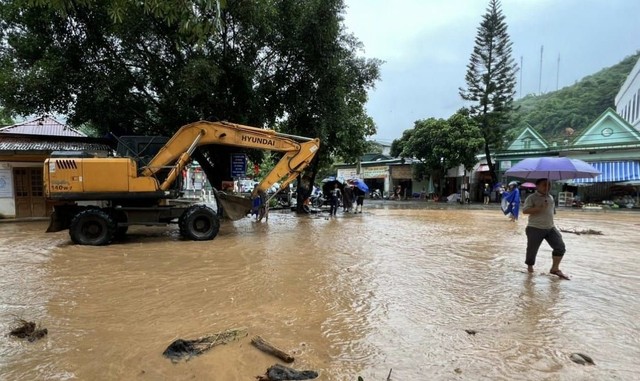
<point x="141" y="67"/>
<point x="5" y="118"/>
<point x="441" y="144"/>
<point x="491" y="79"/>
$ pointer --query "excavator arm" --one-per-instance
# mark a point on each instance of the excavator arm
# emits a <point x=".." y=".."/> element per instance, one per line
<point x="298" y="151"/>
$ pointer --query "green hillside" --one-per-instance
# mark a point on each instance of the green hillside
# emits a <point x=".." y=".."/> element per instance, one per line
<point x="573" y="106"/>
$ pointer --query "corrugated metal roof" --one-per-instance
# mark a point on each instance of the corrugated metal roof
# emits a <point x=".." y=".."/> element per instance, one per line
<point x="44" y="125"/>
<point x="38" y="143"/>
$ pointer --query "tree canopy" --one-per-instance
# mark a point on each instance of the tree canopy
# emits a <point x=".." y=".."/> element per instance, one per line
<point x="146" y="67"/>
<point x="440" y="144"/>
<point x="491" y="79"/>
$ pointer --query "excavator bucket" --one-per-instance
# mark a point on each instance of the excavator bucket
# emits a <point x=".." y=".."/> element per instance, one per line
<point x="55" y="223"/>
<point x="61" y="217"/>
<point x="233" y="207"/>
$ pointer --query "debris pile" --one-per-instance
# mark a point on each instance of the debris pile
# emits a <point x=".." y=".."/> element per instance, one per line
<point x="581" y="232"/>
<point x="28" y="330"/>
<point x="281" y="373"/>
<point x="582" y="359"/>
<point x="185" y="349"/>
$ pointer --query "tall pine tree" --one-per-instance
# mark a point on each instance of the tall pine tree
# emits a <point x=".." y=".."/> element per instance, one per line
<point x="491" y="79"/>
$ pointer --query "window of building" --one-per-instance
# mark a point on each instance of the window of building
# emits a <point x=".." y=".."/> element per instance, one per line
<point x="526" y="143"/>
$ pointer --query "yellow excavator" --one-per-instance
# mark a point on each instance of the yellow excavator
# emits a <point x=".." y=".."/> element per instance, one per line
<point x="97" y="199"/>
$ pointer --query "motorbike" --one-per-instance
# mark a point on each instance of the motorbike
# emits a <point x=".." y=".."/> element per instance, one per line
<point x="317" y="200"/>
<point x="376" y="194"/>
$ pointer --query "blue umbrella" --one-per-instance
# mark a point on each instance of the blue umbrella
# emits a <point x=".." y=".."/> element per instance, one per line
<point x="360" y="184"/>
<point x="552" y="168"/>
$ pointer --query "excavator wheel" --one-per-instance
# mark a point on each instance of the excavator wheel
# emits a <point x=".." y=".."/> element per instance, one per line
<point x="92" y="227"/>
<point x="199" y="223"/>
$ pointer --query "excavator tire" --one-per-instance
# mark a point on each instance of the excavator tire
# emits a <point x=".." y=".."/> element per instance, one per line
<point x="199" y="223"/>
<point x="92" y="227"/>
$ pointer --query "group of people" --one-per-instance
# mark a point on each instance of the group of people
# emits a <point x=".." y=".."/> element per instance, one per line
<point x="348" y="196"/>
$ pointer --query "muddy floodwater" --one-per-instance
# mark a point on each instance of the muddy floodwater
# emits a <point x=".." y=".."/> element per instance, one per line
<point x="395" y="287"/>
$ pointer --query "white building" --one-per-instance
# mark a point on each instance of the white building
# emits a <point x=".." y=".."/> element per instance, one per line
<point x="628" y="98"/>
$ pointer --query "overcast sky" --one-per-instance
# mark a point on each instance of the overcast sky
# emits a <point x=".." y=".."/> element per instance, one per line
<point x="426" y="46"/>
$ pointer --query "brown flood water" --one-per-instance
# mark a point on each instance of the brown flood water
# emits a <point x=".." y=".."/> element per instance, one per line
<point x="353" y="296"/>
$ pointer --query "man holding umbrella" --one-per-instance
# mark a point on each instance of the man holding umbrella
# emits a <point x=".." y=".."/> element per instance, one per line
<point x="359" y="190"/>
<point x="540" y="207"/>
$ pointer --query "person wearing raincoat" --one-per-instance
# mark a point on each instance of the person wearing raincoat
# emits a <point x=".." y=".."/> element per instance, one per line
<point x="511" y="201"/>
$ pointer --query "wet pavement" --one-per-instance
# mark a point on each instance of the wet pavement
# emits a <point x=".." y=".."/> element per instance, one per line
<point x="351" y="296"/>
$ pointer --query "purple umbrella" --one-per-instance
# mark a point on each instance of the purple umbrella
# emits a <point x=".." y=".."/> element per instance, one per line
<point x="552" y="168"/>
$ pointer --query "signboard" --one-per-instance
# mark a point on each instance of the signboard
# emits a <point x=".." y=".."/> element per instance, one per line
<point x="401" y="172"/>
<point x="381" y="171"/>
<point x="238" y="165"/>
<point x="6" y="183"/>
<point x="504" y="165"/>
<point x="347" y="173"/>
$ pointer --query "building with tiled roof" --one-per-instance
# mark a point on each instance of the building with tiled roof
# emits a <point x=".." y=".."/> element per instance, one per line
<point x="23" y="149"/>
<point x="44" y="125"/>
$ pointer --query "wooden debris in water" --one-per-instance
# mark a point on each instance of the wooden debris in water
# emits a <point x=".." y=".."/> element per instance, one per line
<point x="185" y="349"/>
<point x="582" y="359"/>
<point x="269" y="348"/>
<point x="281" y="373"/>
<point x="28" y="330"/>
<point x="581" y="232"/>
<point x="471" y="331"/>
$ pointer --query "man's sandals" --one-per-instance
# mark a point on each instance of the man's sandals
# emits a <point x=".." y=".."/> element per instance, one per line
<point x="560" y="274"/>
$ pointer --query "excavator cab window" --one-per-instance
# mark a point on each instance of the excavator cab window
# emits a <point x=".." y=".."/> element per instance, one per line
<point x="141" y="148"/>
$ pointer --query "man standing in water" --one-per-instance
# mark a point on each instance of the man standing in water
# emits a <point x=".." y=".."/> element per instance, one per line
<point x="540" y="207"/>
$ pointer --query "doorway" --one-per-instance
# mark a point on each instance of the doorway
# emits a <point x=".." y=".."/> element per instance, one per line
<point x="29" y="192"/>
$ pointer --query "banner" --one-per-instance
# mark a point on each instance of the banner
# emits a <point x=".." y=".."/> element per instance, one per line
<point x="6" y="183"/>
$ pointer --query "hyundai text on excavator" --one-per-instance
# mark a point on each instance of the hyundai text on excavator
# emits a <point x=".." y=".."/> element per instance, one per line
<point x="114" y="193"/>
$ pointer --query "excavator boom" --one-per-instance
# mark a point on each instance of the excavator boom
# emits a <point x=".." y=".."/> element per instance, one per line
<point x="298" y="151"/>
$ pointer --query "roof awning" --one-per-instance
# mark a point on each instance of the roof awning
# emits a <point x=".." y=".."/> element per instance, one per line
<point x="613" y="171"/>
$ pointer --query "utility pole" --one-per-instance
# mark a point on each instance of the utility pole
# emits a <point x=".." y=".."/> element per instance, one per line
<point x="521" y="61"/>
<point x="540" y="78"/>
<point x="558" y="73"/>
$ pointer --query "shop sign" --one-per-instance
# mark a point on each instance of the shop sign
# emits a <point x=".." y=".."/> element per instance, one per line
<point x="375" y="172"/>
<point x="401" y="172"/>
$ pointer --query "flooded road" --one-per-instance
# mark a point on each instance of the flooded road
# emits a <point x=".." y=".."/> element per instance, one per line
<point x="395" y="287"/>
